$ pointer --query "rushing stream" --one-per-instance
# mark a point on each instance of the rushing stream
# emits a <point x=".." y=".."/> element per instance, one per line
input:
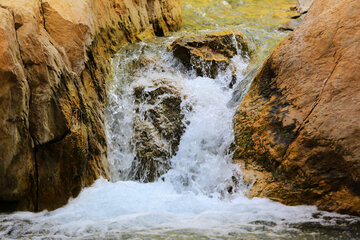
<point x="191" y="200"/>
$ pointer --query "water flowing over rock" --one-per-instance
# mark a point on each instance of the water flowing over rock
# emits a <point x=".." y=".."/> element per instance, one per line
<point x="211" y="53"/>
<point x="55" y="60"/>
<point x="158" y="128"/>
<point x="297" y="130"/>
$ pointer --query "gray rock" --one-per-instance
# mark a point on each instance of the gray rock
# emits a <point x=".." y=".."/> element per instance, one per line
<point x="158" y="128"/>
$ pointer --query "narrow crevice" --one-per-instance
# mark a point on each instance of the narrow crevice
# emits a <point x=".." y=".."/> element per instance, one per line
<point x="42" y="12"/>
<point x="318" y="98"/>
<point x="36" y="180"/>
<point x="17" y="37"/>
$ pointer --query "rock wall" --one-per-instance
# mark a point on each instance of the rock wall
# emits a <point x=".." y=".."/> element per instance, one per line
<point x="54" y="65"/>
<point x="297" y="132"/>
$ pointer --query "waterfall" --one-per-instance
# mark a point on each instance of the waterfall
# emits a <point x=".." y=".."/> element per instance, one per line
<point x="190" y="199"/>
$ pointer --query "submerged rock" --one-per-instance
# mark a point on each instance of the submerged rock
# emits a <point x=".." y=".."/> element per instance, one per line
<point x="158" y="127"/>
<point x="297" y="130"/>
<point x="54" y="64"/>
<point x="211" y="53"/>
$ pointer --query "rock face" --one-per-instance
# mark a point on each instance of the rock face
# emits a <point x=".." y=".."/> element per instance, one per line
<point x="297" y="132"/>
<point x="55" y="59"/>
<point x="209" y="54"/>
<point x="158" y="128"/>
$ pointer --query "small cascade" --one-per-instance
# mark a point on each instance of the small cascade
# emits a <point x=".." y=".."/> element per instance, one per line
<point x="201" y="160"/>
<point x="197" y="192"/>
<point x="170" y="134"/>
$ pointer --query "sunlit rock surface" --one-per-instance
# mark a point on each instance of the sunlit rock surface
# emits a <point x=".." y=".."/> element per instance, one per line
<point x="303" y="5"/>
<point x="297" y="130"/>
<point x="55" y="60"/>
<point x="211" y="53"/>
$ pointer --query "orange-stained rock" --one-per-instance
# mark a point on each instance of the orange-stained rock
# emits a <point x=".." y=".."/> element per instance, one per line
<point x="209" y="54"/>
<point x="297" y="132"/>
<point x="55" y="60"/>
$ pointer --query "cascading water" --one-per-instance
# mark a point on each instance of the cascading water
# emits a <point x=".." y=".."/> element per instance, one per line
<point x="191" y="200"/>
<point x="202" y="163"/>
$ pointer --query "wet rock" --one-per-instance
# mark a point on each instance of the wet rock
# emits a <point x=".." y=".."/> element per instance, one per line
<point x="55" y="61"/>
<point x="145" y="63"/>
<point x="211" y="53"/>
<point x="158" y="127"/>
<point x="297" y="130"/>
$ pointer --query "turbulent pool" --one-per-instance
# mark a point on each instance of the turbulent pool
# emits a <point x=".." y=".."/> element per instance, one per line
<point x="191" y="200"/>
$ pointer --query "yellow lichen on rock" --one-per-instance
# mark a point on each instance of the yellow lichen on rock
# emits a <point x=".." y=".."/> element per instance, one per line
<point x="297" y="130"/>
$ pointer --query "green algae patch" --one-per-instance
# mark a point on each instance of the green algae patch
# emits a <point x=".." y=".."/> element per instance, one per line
<point x="205" y="14"/>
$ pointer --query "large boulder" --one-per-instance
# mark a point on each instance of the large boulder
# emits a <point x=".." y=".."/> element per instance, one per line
<point x="209" y="54"/>
<point x="158" y="127"/>
<point x="297" y="132"/>
<point x="55" y="60"/>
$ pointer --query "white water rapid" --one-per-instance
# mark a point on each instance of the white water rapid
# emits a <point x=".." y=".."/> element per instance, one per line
<point x="190" y="201"/>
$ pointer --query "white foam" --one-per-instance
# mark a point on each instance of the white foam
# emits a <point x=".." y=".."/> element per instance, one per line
<point x="155" y="208"/>
<point x="191" y="202"/>
<point x="131" y="206"/>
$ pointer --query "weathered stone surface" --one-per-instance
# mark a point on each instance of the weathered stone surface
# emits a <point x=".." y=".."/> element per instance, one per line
<point x="303" y="6"/>
<point x="17" y="175"/>
<point x="211" y="53"/>
<point x="158" y="128"/>
<point x="297" y="132"/>
<point x="55" y="59"/>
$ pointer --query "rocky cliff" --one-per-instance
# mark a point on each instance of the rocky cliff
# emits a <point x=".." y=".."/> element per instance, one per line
<point x="54" y="65"/>
<point x="297" y="130"/>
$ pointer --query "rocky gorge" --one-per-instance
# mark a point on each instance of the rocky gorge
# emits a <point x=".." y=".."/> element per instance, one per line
<point x="118" y="123"/>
